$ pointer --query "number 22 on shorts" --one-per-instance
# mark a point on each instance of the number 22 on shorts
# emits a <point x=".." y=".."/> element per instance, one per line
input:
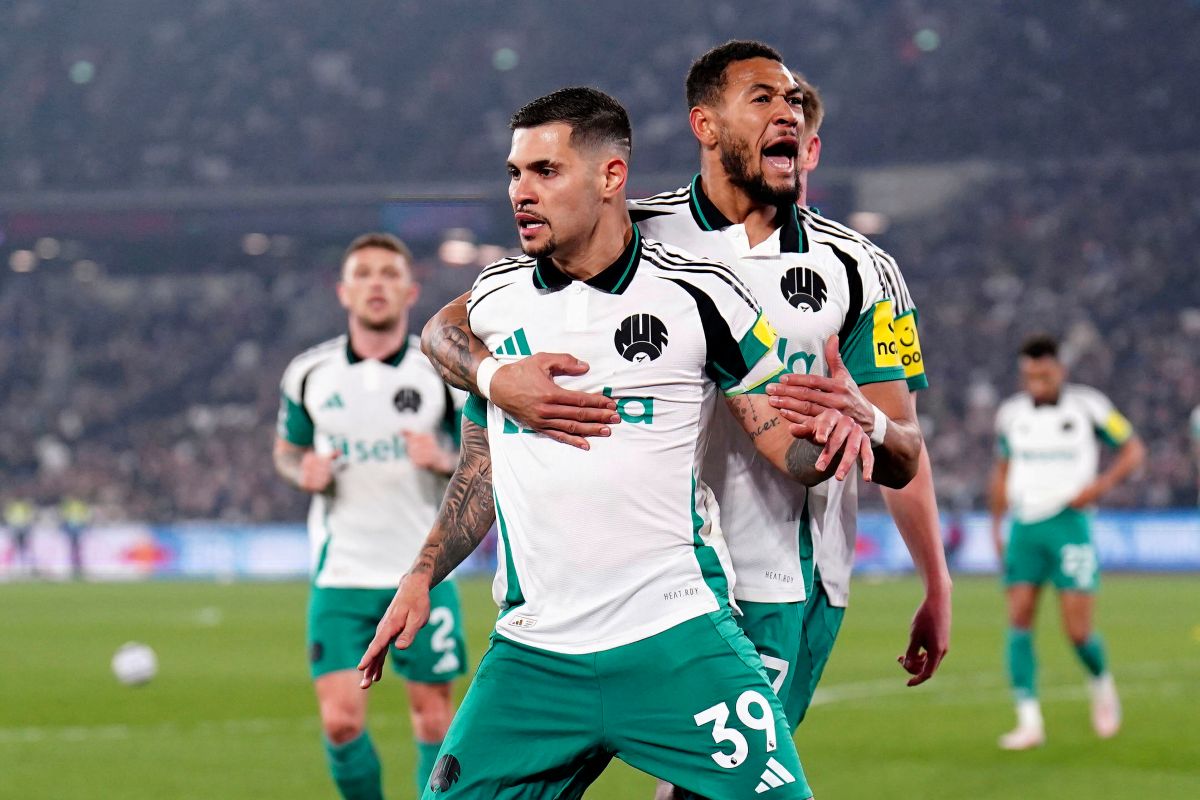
<point x="718" y="715"/>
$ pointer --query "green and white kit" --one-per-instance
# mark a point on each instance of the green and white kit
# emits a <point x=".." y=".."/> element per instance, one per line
<point x="368" y="530"/>
<point x="814" y="279"/>
<point x="1053" y="453"/>
<point x="615" y="636"/>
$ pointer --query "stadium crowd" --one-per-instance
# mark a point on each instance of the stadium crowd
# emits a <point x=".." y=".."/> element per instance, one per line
<point x="307" y="92"/>
<point x="154" y="397"/>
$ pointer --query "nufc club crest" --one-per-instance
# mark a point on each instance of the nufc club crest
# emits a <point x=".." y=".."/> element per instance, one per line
<point x="407" y="399"/>
<point x="641" y="338"/>
<point x="445" y="774"/>
<point x="803" y="289"/>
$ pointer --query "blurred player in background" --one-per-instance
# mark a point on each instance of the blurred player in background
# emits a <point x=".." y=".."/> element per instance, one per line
<point x="1046" y="475"/>
<point x="370" y="430"/>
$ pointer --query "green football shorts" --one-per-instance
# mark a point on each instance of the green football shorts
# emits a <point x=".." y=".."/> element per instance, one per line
<point x="822" y="622"/>
<point x="1058" y="550"/>
<point x="690" y="705"/>
<point x="341" y="623"/>
<point x="795" y="640"/>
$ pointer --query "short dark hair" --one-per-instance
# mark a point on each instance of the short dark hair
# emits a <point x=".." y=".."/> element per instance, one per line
<point x="706" y="78"/>
<point x="1040" y="345"/>
<point x="384" y="241"/>
<point x="595" y="117"/>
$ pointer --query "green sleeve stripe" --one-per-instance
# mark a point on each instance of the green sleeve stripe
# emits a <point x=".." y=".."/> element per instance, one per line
<point x="1002" y="448"/>
<point x="860" y="356"/>
<point x="294" y="424"/>
<point x="918" y="382"/>
<point x="476" y="410"/>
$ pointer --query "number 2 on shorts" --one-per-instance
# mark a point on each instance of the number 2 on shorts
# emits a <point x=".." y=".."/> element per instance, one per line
<point x="718" y="715"/>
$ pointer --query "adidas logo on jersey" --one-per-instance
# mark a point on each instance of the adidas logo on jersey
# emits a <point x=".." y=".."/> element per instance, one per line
<point x="803" y="289"/>
<point x="334" y="401"/>
<point x="774" y="776"/>
<point x="515" y="345"/>
<point x="641" y="338"/>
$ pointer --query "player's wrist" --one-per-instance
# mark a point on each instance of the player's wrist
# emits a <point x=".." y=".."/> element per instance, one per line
<point x="484" y="373"/>
<point x="879" y="423"/>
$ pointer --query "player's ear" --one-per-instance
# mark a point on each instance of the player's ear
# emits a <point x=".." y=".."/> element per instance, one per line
<point x="341" y="294"/>
<point x="414" y="293"/>
<point x="616" y="173"/>
<point x="703" y="124"/>
<point x="812" y="153"/>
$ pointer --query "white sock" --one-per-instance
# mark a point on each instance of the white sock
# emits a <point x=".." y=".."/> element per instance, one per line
<point x="1029" y="713"/>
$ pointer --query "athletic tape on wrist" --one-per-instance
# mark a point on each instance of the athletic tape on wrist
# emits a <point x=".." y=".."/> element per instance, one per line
<point x="880" y="429"/>
<point x="483" y="376"/>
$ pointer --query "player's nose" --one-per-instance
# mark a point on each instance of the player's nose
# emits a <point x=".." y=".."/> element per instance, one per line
<point x="521" y="192"/>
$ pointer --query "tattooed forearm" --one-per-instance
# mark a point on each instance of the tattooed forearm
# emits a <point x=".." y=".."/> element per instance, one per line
<point x="455" y="352"/>
<point x="801" y="460"/>
<point x="766" y="426"/>
<point x="467" y="512"/>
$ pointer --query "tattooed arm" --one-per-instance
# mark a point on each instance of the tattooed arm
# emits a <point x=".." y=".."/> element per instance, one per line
<point x="525" y="389"/>
<point x="467" y="512"/>
<point x="455" y="351"/>
<point x="828" y="445"/>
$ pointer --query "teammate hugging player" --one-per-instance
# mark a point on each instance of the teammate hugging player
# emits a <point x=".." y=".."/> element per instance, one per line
<point x="616" y="636"/>
<point x="368" y="427"/>
<point x="1046" y="475"/>
<point x="829" y="291"/>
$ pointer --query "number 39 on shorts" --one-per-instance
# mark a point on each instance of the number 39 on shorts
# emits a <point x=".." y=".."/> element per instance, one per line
<point x="754" y="713"/>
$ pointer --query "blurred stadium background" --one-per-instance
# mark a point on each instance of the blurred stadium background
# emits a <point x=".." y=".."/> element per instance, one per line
<point x="177" y="182"/>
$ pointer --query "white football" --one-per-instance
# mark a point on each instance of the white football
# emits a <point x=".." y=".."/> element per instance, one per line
<point x="134" y="663"/>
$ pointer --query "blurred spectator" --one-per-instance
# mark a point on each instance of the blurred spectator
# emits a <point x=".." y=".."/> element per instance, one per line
<point x="285" y="92"/>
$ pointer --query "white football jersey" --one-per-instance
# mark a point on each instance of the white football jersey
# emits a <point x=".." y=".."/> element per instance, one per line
<point x="811" y="283"/>
<point x="1053" y="449"/>
<point x="605" y="547"/>
<point x="368" y="531"/>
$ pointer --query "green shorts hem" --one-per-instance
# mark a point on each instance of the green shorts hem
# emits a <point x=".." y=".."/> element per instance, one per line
<point x="341" y="624"/>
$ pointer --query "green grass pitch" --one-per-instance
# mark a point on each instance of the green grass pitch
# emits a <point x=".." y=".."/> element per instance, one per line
<point x="231" y="713"/>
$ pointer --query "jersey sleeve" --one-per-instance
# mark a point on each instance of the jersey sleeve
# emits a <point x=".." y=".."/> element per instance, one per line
<point x="1003" y="415"/>
<point x="908" y="340"/>
<point x="293" y="424"/>
<point x="740" y="342"/>
<point x="1110" y="425"/>
<point x="870" y="350"/>
<point x="475" y="410"/>
<point x="452" y="416"/>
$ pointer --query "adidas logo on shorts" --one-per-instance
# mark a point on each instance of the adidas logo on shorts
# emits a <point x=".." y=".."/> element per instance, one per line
<point x="774" y="776"/>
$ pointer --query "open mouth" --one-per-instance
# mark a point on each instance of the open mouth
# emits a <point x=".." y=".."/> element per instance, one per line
<point x="529" y="224"/>
<point x="781" y="154"/>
